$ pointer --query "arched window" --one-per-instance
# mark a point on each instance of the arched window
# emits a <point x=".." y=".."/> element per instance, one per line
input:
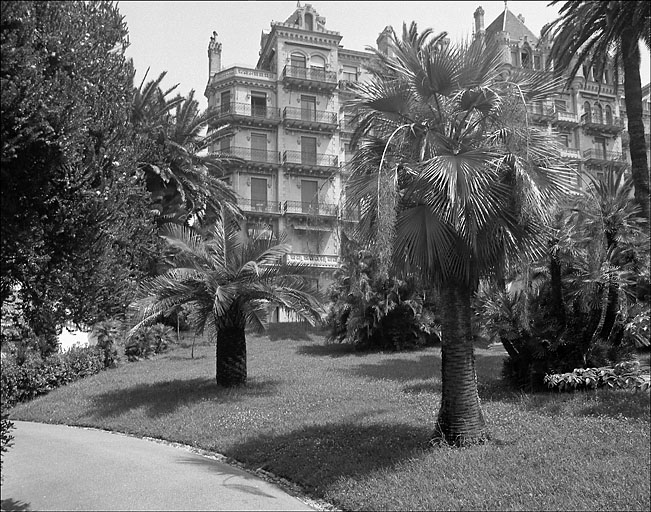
<point x="317" y="62"/>
<point x="309" y="21"/>
<point x="598" y="113"/>
<point x="525" y="57"/>
<point x="609" y="115"/>
<point x="587" y="112"/>
<point x="298" y="60"/>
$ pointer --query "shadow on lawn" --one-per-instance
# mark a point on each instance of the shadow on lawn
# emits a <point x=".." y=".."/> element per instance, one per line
<point x="162" y="398"/>
<point x="318" y="456"/>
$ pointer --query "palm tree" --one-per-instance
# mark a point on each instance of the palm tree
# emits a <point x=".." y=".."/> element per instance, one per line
<point x="468" y="186"/>
<point x="588" y="32"/>
<point x="181" y="174"/>
<point x="230" y="283"/>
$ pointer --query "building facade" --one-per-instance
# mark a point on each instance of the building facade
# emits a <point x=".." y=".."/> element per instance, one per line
<point x="286" y="122"/>
<point x="588" y="116"/>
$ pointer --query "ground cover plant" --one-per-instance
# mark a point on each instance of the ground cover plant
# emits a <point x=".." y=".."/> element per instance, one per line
<point x="353" y="429"/>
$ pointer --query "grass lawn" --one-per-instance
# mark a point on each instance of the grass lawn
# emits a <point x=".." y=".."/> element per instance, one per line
<point x="353" y="429"/>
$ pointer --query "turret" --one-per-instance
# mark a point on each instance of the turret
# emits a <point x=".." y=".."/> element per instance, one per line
<point x="383" y="41"/>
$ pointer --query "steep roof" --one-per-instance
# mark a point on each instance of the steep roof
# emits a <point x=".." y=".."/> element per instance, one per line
<point x="508" y="22"/>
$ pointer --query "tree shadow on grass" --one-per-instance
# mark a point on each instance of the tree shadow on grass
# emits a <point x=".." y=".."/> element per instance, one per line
<point x="318" y="456"/>
<point x="163" y="398"/>
<point x="328" y="350"/>
<point x="14" y="505"/>
<point x="296" y="331"/>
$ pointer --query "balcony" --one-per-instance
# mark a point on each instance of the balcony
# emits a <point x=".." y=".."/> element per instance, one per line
<point x="594" y="123"/>
<point x="313" y="260"/>
<point x="600" y="157"/>
<point x="309" y="163"/>
<point x="310" y="78"/>
<point x="309" y="208"/>
<point x="312" y="120"/>
<point x="253" y="157"/>
<point x="259" y="206"/>
<point x="570" y="153"/>
<point x="540" y="113"/>
<point x="565" y="118"/>
<point x="246" y="114"/>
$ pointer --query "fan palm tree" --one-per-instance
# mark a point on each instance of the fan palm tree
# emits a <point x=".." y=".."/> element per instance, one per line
<point x="451" y="185"/>
<point x="588" y="32"/>
<point x="230" y="284"/>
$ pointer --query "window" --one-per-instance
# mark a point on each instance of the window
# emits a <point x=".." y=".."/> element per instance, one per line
<point x="308" y="150"/>
<point x="225" y="106"/>
<point x="587" y="111"/>
<point x="309" y="196"/>
<point x="609" y="115"/>
<point x="349" y="73"/>
<point x="225" y="145"/>
<point x="514" y="58"/>
<point x="308" y="108"/>
<point x="317" y="66"/>
<point x="565" y="139"/>
<point x="600" y="147"/>
<point x="298" y="60"/>
<point x="259" y="194"/>
<point x="598" y="113"/>
<point x="258" y="104"/>
<point x="537" y="64"/>
<point x="526" y="59"/>
<point x="259" y="147"/>
<point x="560" y="105"/>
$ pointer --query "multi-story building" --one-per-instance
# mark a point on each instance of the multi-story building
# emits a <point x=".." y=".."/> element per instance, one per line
<point x="286" y="122"/>
<point x="588" y="116"/>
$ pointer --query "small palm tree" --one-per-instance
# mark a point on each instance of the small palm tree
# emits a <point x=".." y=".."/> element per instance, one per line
<point x="450" y="185"/>
<point x="588" y="32"/>
<point x="230" y="283"/>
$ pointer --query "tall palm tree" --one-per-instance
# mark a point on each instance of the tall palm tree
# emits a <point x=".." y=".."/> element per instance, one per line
<point x="181" y="174"/>
<point x="588" y="32"/>
<point x="469" y="186"/>
<point x="230" y="283"/>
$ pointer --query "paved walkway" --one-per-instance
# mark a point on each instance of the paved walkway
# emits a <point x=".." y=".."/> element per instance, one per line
<point x="55" y="467"/>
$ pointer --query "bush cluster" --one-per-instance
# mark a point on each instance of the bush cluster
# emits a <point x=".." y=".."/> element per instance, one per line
<point x="36" y="376"/>
<point x="626" y="375"/>
<point x="148" y="341"/>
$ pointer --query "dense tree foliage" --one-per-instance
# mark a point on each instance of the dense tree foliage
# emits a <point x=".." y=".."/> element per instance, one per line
<point x="76" y="225"/>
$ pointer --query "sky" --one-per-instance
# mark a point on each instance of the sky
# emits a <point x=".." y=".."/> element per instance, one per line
<point x="173" y="36"/>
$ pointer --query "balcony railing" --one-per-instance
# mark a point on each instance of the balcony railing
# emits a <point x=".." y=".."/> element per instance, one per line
<point x="259" y="205"/>
<point x="594" y="121"/>
<point x="540" y="112"/>
<point x="572" y="153"/>
<point x="294" y="116"/>
<point x="565" y="117"/>
<point x="307" y="159"/>
<point x="246" y="110"/>
<point x="313" y="260"/>
<point x="310" y="208"/>
<point x="603" y="156"/>
<point x="259" y="156"/>
<point x="317" y="76"/>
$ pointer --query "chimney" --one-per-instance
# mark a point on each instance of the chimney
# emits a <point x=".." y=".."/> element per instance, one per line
<point x="479" y="21"/>
<point x="383" y="40"/>
<point x="214" y="56"/>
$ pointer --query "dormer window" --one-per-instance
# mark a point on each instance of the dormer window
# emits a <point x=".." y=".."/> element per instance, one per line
<point x="525" y="57"/>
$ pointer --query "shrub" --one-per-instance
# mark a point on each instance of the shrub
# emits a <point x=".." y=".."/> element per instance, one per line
<point x="372" y="312"/>
<point x="626" y="375"/>
<point x="6" y="426"/>
<point x="108" y="335"/>
<point x="22" y="382"/>
<point x="148" y="341"/>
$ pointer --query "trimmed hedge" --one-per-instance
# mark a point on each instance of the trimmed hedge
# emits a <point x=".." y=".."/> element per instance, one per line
<point x="36" y="377"/>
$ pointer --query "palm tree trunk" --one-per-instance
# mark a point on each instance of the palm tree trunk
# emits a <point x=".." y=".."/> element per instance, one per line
<point x="230" y="353"/>
<point x="460" y="419"/>
<point x="633" y="99"/>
